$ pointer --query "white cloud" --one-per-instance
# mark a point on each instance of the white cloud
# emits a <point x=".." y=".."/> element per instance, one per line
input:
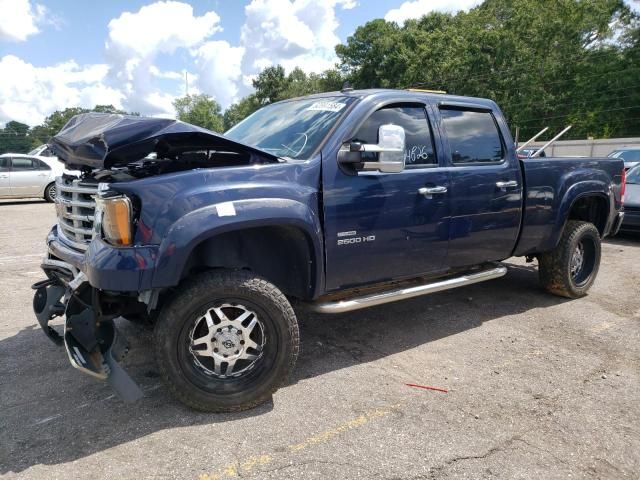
<point x="139" y="45"/>
<point x="28" y="93"/>
<point x="219" y="67"/>
<point x="292" y="33"/>
<point x="418" y="8"/>
<point x="20" y="19"/>
<point x="137" y="39"/>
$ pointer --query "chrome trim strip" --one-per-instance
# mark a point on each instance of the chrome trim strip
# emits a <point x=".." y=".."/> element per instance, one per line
<point x="410" y="292"/>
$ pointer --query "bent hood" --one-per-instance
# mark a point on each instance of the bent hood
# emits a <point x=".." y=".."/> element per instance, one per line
<point x="104" y="140"/>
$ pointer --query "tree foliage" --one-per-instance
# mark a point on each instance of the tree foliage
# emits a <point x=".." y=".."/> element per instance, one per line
<point x="201" y="110"/>
<point x="545" y="62"/>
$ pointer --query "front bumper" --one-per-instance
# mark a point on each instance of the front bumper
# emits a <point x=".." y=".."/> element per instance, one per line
<point x="89" y="336"/>
<point x="121" y="269"/>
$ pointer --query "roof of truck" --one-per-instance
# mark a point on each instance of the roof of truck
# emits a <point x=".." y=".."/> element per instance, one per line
<point x="382" y="94"/>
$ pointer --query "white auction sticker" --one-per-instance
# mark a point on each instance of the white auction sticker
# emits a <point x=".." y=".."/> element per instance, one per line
<point x="327" y="106"/>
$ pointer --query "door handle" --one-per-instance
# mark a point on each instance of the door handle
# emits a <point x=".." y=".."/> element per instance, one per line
<point x="4" y="176"/>
<point x="428" y="191"/>
<point x="507" y="185"/>
<point x="43" y="174"/>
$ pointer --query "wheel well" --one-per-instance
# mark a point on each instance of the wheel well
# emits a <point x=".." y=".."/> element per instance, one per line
<point x="282" y="255"/>
<point x="592" y="208"/>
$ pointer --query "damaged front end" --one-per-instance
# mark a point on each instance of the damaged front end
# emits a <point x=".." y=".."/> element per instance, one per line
<point x="90" y="336"/>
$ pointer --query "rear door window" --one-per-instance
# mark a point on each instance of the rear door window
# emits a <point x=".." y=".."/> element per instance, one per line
<point x="473" y="136"/>
<point x="630" y="155"/>
<point x="5" y="164"/>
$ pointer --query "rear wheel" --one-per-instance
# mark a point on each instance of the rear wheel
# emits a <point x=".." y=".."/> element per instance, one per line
<point x="226" y="342"/>
<point x="571" y="268"/>
<point x="50" y="192"/>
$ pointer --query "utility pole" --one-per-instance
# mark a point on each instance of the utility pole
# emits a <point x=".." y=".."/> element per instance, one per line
<point x="186" y="83"/>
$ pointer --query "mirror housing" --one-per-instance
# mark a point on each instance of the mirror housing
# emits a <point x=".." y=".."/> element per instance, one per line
<point x="390" y="149"/>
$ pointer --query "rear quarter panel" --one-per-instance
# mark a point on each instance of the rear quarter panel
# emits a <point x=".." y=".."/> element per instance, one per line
<point x="552" y="185"/>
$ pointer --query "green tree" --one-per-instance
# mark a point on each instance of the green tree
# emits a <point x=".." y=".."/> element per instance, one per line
<point x="201" y="110"/>
<point x="14" y="138"/>
<point x="545" y="62"/>
<point x="239" y="111"/>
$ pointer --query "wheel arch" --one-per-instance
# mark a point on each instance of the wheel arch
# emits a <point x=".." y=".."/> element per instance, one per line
<point x="587" y="201"/>
<point x="279" y="239"/>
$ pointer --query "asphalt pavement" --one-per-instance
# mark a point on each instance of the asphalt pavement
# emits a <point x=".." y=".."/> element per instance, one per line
<point x="536" y="387"/>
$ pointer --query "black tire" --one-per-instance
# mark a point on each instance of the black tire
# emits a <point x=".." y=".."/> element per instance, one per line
<point x="555" y="267"/>
<point x="50" y="192"/>
<point x="187" y="376"/>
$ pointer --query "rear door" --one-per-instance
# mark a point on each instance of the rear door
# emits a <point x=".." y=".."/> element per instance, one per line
<point x="29" y="176"/>
<point x="5" y="168"/>
<point x="486" y="185"/>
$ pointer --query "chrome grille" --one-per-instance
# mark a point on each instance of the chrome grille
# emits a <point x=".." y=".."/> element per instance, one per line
<point x="75" y="207"/>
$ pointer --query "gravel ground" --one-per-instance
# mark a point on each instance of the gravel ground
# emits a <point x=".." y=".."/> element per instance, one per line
<point x="538" y="387"/>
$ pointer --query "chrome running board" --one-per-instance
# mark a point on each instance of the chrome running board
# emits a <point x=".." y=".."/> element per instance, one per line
<point x="357" y="303"/>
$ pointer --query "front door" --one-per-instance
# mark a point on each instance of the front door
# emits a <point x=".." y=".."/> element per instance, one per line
<point x="381" y="226"/>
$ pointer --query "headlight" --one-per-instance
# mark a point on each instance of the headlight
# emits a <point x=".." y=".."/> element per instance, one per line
<point x="114" y="218"/>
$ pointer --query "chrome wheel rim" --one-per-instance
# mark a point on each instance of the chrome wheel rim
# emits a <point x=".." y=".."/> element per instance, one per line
<point x="52" y="192"/>
<point x="227" y="341"/>
<point x="577" y="260"/>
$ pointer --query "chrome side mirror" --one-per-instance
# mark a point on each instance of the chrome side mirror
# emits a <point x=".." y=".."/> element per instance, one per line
<point x="390" y="149"/>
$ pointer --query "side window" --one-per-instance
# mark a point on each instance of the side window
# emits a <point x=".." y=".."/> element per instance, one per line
<point x="21" y="164"/>
<point x="473" y="136"/>
<point x="631" y="155"/>
<point x="5" y="165"/>
<point x="40" y="165"/>
<point x="418" y="139"/>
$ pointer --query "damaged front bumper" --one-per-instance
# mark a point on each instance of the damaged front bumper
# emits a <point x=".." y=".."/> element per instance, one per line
<point x="90" y="336"/>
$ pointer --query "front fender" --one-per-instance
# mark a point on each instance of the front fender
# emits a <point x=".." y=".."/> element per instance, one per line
<point x="206" y="222"/>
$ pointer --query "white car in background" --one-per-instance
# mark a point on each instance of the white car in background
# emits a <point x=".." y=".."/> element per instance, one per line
<point x="28" y="176"/>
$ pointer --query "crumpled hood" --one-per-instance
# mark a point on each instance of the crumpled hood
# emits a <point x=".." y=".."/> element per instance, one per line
<point x="104" y="140"/>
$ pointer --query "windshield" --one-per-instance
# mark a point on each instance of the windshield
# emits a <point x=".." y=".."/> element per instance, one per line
<point x="291" y="129"/>
<point x="633" y="175"/>
<point x="35" y="151"/>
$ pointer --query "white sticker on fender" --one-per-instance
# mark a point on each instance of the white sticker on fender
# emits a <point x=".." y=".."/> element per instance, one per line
<point x="327" y="106"/>
<point x="226" y="209"/>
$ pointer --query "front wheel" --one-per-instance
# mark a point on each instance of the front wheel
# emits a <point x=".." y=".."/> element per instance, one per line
<point x="226" y="342"/>
<point x="571" y="268"/>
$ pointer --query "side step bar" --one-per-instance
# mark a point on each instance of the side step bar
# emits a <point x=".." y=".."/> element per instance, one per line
<point x="409" y="292"/>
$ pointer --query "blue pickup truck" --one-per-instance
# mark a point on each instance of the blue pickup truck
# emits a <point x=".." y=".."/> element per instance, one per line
<point x="343" y="200"/>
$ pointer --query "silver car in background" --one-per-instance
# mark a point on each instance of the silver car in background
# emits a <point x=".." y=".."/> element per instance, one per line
<point x="28" y="176"/>
<point x="630" y="155"/>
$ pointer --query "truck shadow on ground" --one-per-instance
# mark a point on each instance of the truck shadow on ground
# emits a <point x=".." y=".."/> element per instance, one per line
<point x="52" y="414"/>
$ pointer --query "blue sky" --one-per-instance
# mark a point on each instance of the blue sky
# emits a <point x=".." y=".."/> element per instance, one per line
<point x="134" y="54"/>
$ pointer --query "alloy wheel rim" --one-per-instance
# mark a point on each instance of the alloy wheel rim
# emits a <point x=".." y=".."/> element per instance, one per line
<point x="577" y="260"/>
<point x="227" y="341"/>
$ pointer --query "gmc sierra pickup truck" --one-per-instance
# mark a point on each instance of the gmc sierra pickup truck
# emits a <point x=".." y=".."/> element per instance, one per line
<point x="342" y="200"/>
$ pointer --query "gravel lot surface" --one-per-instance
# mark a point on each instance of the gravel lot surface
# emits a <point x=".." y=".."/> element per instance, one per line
<point x="538" y="387"/>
